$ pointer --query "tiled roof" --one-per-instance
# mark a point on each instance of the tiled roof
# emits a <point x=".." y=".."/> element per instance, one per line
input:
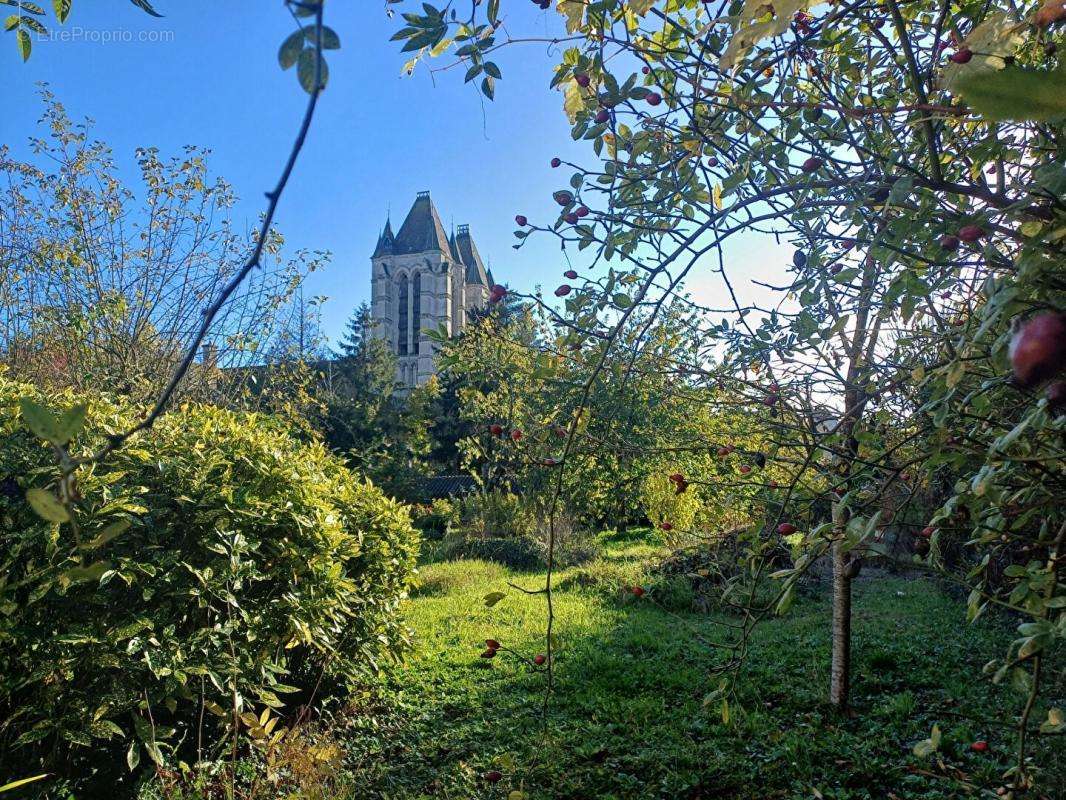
<point x="446" y="486"/>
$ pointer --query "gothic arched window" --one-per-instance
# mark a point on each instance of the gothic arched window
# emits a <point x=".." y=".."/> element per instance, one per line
<point x="401" y="341"/>
<point x="417" y="313"/>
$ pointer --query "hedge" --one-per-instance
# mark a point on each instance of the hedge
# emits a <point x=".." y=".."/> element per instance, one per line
<point x="256" y="571"/>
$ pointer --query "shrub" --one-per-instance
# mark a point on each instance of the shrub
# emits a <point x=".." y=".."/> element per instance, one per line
<point x="662" y="503"/>
<point x="613" y="579"/>
<point x="522" y="553"/>
<point x="435" y="519"/>
<point x="573" y="544"/>
<point x="496" y="515"/>
<point x="511" y="530"/>
<point x="254" y="568"/>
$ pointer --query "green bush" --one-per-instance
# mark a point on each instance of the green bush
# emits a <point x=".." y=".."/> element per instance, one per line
<point x="613" y="579"/>
<point x="435" y="519"/>
<point x="255" y="567"/>
<point x="497" y="515"/>
<point x="662" y="503"/>
<point x="512" y="530"/>
<point x="521" y="553"/>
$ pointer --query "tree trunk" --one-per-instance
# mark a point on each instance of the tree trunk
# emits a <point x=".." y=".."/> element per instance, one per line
<point x="860" y="354"/>
<point x="840" y="671"/>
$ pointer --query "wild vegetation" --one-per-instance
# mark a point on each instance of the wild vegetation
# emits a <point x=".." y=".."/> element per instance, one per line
<point x="853" y="581"/>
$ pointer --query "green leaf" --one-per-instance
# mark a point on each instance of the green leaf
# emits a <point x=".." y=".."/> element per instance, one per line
<point x="24" y="44"/>
<point x="7" y="787"/>
<point x="112" y="531"/>
<point x="488" y="86"/>
<point x="62" y="9"/>
<point x="1016" y="93"/>
<point x="11" y="22"/>
<point x="47" y="505"/>
<point x="133" y="756"/>
<point x="330" y="39"/>
<point x="71" y="423"/>
<point x="39" y="419"/>
<point x="785" y="603"/>
<point x="25" y="6"/>
<point x="146" y="7"/>
<point x="306" y="9"/>
<point x="93" y="572"/>
<point x="492" y="598"/>
<point x="290" y="50"/>
<point x="34" y="26"/>
<point x="306" y="71"/>
<point x="1033" y="645"/>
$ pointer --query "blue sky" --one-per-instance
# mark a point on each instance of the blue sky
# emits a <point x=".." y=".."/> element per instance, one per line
<point x="211" y="78"/>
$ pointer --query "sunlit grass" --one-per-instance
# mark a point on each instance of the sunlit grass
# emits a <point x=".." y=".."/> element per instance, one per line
<point x="627" y="718"/>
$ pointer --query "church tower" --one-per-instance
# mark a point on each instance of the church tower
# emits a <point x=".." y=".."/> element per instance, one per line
<point x="421" y="280"/>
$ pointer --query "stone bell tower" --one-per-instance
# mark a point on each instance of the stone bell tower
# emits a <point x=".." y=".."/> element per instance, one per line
<point x="422" y="279"/>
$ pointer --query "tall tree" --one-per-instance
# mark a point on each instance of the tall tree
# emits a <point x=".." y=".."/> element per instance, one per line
<point x="382" y="434"/>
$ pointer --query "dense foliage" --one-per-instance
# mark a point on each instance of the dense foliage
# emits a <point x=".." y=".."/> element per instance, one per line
<point x="213" y="568"/>
<point x="638" y="419"/>
<point x="381" y="434"/>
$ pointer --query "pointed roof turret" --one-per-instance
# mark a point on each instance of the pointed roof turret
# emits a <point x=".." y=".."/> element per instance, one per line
<point x="422" y="230"/>
<point x="386" y="241"/>
<point x="468" y="254"/>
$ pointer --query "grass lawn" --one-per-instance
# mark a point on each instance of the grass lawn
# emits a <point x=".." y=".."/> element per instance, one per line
<point x="627" y="718"/>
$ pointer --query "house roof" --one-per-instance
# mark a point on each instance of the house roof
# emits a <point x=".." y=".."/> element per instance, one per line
<point x="422" y="230"/>
<point x="446" y="486"/>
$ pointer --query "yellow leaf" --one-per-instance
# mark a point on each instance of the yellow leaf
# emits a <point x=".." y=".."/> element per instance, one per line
<point x="573" y="100"/>
<point x="641" y="7"/>
<point x="574" y="11"/>
<point x="716" y="196"/>
<point x="7" y="787"/>
<point x="440" y="47"/>
<point x="955" y="375"/>
<point x="47" y="505"/>
<point x="758" y="20"/>
<point x="990" y="42"/>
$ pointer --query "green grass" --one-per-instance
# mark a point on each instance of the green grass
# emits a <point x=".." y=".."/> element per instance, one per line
<point x="627" y="718"/>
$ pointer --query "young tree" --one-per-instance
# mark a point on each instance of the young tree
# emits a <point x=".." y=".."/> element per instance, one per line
<point x="913" y="156"/>
<point x="104" y="285"/>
